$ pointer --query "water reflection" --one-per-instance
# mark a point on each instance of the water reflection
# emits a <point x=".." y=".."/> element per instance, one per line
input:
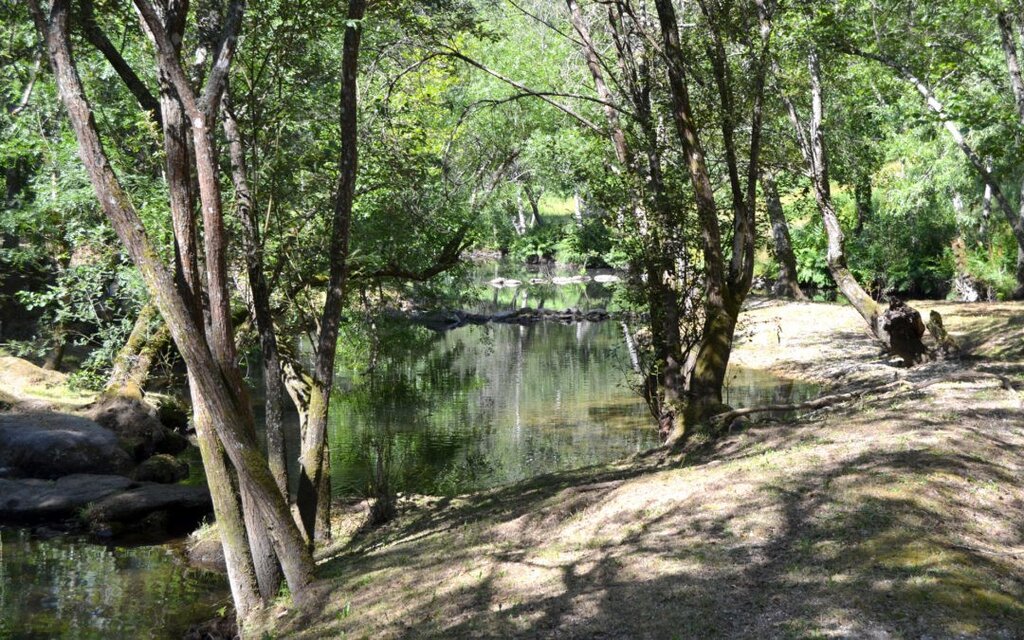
<point x="488" y="405"/>
<point x="67" y="588"/>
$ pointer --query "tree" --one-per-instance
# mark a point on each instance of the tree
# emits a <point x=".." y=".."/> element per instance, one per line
<point x="900" y="328"/>
<point x="223" y="418"/>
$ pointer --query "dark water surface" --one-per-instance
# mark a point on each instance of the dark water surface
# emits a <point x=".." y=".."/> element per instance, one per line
<point x="69" y="588"/>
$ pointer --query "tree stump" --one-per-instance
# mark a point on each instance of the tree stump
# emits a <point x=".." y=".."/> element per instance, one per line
<point x="948" y="347"/>
<point x="904" y="327"/>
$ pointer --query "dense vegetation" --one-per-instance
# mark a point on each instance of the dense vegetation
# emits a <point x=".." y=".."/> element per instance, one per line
<point x="202" y="183"/>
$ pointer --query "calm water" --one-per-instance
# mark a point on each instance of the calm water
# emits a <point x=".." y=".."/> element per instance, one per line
<point x="68" y="588"/>
<point x="481" y="406"/>
<point x="488" y="405"/>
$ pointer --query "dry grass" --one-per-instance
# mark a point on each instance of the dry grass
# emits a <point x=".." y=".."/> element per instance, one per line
<point x="901" y="516"/>
<point x="24" y="385"/>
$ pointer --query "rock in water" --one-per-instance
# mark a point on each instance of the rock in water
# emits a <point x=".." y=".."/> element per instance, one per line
<point x="148" y="506"/>
<point x="36" y="500"/>
<point x="50" y="445"/>
<point x="105" y="504"/>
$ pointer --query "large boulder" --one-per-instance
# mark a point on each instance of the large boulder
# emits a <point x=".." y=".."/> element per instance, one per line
<point x="34" y="500"/>
<point x="149" y="507"/>
<point x="50" y="445"/>
<point x="134" y="422"/>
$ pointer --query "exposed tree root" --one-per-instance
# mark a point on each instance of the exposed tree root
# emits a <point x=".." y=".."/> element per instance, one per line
<point x="726" y="419"/>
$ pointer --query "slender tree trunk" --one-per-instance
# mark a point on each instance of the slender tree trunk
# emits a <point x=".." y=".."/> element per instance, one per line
<point x="313" y="498"/>
<point x="665" y="384"/>
<point x="534" y="199"/>
<point x="869" y="309"/>
<point x="259" y="305"/>
<point x="787" y="284"/>
<point x="227" y="509"/>
<point x="862" y="199"/>
<point x="900" y="328"/>
<point x="520" y="222"/>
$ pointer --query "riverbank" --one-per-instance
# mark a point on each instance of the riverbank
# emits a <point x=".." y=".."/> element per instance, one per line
<point x="897" y="515"/>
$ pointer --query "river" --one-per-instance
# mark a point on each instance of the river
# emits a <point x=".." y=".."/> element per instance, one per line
<point x="456" y="411"/>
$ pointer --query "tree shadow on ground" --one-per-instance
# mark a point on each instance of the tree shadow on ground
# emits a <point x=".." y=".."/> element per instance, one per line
<point x="879" y="544"/>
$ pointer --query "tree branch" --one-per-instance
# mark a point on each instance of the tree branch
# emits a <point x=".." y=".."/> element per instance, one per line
<point x="97" y="38"/>
<point x="539" y="94"/>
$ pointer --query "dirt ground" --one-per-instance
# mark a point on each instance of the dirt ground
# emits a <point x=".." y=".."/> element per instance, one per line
<point x="899" y="515"/>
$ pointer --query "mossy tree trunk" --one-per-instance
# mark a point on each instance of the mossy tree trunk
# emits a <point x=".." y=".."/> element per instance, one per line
<point x="314" y="490"/>
<point x="135" y="360"/>
<point x="259" y="304"/>
<point x="726" y="284"/>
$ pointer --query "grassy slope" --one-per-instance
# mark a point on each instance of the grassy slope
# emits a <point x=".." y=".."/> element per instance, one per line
<point x="23" y="384"/>
<point x="898" y="516"/>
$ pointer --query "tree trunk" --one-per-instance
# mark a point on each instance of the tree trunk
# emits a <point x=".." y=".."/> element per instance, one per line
<point x="854" y="293"/>
<point x="724" y="291"/>
<point x="259" y="307"/>
<point x="862" y="199"/>
<point x="141" y="368"/>
<point x="313" y="498"/>
<point x="534" y="199"/>
<point x="898" y="329"/>
<point x="787" y="284"/>
<point x="135" y="360"/>
<point x="124" y="362"/>
<point x="227" y="509"/>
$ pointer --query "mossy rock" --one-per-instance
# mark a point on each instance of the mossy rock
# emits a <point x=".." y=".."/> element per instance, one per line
<point x="162" y="468"/>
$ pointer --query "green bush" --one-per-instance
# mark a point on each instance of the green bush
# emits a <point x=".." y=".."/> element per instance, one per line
<point x="587" y="245"/>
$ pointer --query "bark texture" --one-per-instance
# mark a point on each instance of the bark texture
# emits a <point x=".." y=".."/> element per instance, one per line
<point x="314" y="491"/>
